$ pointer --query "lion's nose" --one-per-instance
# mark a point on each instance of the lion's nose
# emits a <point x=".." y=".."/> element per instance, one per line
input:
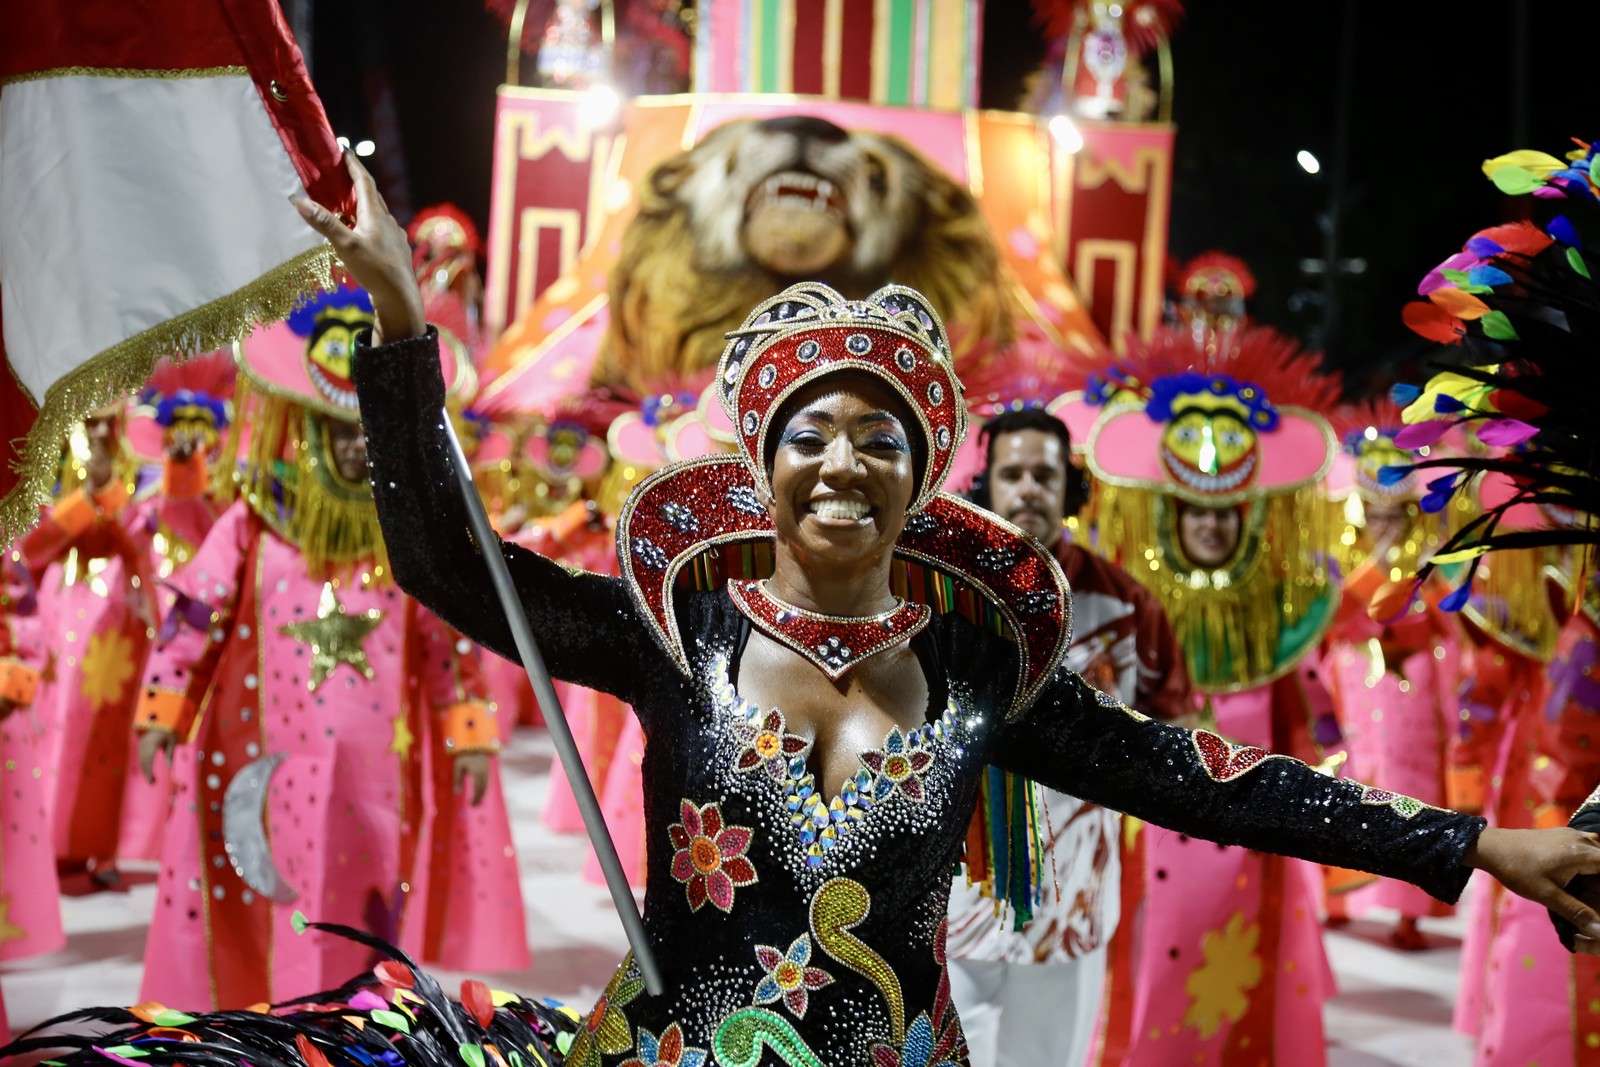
<point x="805" y="128"/>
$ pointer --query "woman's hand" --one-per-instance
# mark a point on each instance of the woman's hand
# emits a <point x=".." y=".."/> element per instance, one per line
<point x="1539" y="865"/>
<point x="377" y="254"/>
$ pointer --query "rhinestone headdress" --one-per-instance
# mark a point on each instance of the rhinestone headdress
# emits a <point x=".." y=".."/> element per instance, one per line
<point x="808" y="331"/>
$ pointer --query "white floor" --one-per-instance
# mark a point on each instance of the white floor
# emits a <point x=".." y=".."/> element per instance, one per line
<point x="1393" y="1008"/>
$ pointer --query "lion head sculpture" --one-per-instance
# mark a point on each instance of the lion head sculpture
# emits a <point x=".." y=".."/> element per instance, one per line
<point x="759" y="205"/>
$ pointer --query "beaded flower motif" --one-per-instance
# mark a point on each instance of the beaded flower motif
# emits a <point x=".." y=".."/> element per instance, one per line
<point x="710" y="858"/>
<point x="789" y="977"/>
<point x="668" y="1050"/>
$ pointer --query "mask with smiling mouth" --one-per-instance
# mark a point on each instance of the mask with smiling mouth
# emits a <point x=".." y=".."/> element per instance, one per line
<point x="1211" y="432"/>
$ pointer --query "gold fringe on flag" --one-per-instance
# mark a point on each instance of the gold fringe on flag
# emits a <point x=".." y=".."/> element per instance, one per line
<point x="120" y="370"/>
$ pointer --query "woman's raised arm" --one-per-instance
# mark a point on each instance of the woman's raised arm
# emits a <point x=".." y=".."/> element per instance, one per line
<point x="586" y="624"/>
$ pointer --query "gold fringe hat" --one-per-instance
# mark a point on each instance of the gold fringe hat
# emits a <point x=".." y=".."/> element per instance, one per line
<point x="1185" y="427"/>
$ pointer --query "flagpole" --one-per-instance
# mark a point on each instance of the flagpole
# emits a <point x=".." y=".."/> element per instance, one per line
<point x="566" y="748"/>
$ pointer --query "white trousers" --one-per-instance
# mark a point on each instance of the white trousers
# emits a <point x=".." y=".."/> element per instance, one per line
<point x="1026" y="1014"/>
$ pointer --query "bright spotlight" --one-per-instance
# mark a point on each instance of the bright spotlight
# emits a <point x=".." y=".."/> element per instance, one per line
<point x="1066" y="134"/>
<point x="1308" y="162"/>
<point x="344" y="142"/>
<point x="599" y="106"/>
<point x="365" y="148"/>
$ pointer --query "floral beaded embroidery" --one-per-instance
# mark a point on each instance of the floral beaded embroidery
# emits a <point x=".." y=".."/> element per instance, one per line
<point x="668" y="1050"/>
<point x="766" y="742"/>
<point x="710" y="860"/>
<point x="605" y="1029"/>
<point x="789" y="976"/>
<point x="897" y="767"/>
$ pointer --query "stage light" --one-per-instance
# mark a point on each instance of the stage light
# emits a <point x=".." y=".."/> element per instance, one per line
<point x="344" y="142"/>
<point x="365" y="148"/>
<point x="1066" y="134"/>
<point x="1308" y="162"/>
<point x="599" y="106"/>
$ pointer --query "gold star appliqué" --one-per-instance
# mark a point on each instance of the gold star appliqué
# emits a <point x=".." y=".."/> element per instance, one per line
<point x="403" y="737"/>
<point x="335" y="637"/>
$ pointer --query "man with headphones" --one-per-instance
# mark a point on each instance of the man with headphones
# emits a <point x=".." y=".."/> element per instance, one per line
<point x="1034" y="996"/>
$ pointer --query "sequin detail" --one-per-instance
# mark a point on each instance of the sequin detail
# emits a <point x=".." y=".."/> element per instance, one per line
<point x="833" y="644"/>
<point x="839" y="906"/>
<point x="741" y="1037"/>
<point x="1225" y="761"/>
<point x="668" y="1050"/>
<point x="605" y="1029"/>
<point x="897" y="767"/>
<point x="767" y="743"/>
<point x="710" y="860"/>
<point x="789" y="976"/>
<point x="1404" y="806"/>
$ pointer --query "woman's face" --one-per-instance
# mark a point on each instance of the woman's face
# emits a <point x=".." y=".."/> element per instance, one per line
<point x="1208" y="536"/>
<point x="844" y="471"/>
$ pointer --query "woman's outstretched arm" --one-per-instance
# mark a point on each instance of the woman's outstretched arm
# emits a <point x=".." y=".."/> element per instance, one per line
<point x="1082" y="742"/>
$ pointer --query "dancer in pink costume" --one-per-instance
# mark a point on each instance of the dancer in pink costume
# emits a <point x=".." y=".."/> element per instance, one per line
<point x="30" y="898"/>
<point x="285" y="637"/>
<point x="1541" y="1003"/>
<point x="179" y="424"/>
<point x="1394" y="680"/>
<point x="96" y="618"/>
<point x="1511" y="633"/>
<point x="1209" y="496"/>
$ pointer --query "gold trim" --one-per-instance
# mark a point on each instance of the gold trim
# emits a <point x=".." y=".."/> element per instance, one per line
<point x="1122" y="256"/>
<point x="121" y="369"/>
<point x="171" y="74"/>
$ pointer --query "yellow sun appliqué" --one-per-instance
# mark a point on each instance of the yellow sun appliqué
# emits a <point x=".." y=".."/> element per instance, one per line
<point x="107" y="668"/>
<point x="1219" y="989"/>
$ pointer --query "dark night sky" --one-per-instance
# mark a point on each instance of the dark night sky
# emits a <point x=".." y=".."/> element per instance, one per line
<point x="1255" y="82"/>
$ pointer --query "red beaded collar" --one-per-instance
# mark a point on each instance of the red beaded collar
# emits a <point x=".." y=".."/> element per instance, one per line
<point x="834" y="643"/>
<point x="686" y="508"/>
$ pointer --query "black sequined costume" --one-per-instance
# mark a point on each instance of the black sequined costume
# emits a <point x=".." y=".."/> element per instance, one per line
<point x="775" y="948"/>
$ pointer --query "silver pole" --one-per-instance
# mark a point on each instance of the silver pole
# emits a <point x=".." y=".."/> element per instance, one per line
<point x="566" y="748"/>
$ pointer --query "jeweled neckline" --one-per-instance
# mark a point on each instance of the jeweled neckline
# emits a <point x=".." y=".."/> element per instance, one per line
<point x="897" y="767"/>
<point x="832" y="643"/>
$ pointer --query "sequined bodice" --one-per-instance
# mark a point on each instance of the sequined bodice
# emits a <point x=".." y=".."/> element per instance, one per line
<point x="789" y="914"/>
<point x="802" y="927"/>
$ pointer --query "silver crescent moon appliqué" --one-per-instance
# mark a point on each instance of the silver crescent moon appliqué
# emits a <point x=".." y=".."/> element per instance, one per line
<point x="245" y="836"/>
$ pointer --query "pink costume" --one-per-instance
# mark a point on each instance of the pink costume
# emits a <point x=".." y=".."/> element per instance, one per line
<point x="1393" y="681"/>
<point x="178" y="425"/>
<point x="1541" y="1003"/>
<point x="30" y="899"/>
<point x="93" y="581"/>
<point x="1511" y="633"/>
<point x="286" y="640"/>
<point x="1227" y="957"/>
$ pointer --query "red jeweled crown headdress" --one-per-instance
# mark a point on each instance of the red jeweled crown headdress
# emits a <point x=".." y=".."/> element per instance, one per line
<point x="808" y="331"/>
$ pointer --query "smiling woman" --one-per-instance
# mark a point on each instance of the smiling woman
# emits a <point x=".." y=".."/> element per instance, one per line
<point x="758" y="698"/>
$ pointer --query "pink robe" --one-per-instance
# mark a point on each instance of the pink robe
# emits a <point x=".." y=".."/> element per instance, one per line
<point x="30" y="898"/>
<point x="1394" y="688"/>
<point x="174" y="528"/>
<point x="92" y="583"/>
<point x="1500" y="689"/>
<point x="1540" y="1003"/>
<point x="1229" y="966"/>
<point x="355" y="819"/>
